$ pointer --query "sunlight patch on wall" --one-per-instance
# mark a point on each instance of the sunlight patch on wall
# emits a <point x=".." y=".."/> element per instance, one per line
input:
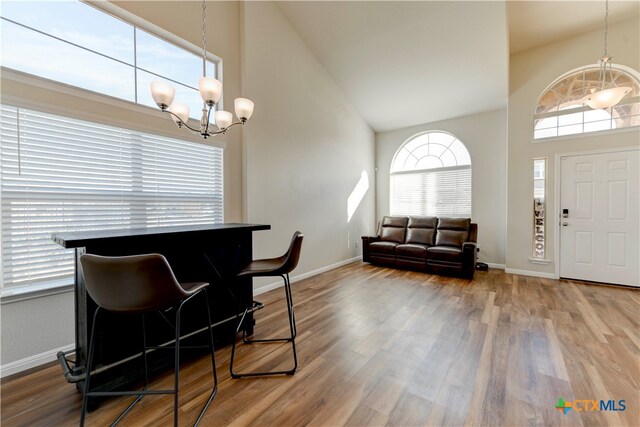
<point x="357" y="195"/>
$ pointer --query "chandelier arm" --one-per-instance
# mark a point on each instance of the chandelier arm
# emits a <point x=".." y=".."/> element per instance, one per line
<point x="183" y="123"/>
<point x="225" y="129"/>
<point x="233" y="124"/>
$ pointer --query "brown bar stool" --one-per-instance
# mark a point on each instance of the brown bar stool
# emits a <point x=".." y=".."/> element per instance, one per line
<point x="140" y="284"/>
<point x="280" y="266"/>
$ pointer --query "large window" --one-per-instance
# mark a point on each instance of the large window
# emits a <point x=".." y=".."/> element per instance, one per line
<point x="431" y="175"/>
<point x="74" y="43"/>
<point x="560" y="111"/>
<point x="60" y="175"/>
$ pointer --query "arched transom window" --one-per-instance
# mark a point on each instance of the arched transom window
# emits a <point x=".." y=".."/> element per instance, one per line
<point x="431" y="175"/>
<point x="560" y="110"/>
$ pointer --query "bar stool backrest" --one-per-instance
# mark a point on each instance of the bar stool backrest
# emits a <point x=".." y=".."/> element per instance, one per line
<point x="292" y="256"/>
<point x="137" y="283"/>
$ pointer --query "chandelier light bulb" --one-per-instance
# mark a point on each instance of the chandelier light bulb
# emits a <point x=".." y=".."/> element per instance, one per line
<point x="210" y="90"/>
<point x="223" y="119"/>
<point x="244" y="108"/>
<point x="162" y="94"/>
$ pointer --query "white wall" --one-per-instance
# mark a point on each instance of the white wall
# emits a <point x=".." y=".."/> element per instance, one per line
<point x="484" y="135"/>
<point x="306" y="148"/>
<point x="530" y="73"/>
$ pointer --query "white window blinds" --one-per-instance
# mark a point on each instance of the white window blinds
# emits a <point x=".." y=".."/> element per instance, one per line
<point x="61" y="175"/>
<point x="434" y="192"/>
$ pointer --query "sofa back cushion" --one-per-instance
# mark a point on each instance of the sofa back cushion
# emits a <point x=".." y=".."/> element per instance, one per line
<point x="421" y="230"/>
<point x="393" y="228"/>
<point x="452" y="231"/>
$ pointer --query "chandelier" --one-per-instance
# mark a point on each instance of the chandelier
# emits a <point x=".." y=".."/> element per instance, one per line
<point x="210" y="90"/>
<point x="609" y="94"/>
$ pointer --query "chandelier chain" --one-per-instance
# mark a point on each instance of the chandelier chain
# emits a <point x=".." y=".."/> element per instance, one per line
<point x="606" y="26"/>
<point x="204" y="38"/>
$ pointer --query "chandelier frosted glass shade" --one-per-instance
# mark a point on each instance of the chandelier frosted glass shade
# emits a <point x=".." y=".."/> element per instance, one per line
<point x="210" y="90"/>
<point x="180" y="113"/>
<point x="162" y="94"/>
<point x="244" y="108"/>
<point x="605" y="98"/>
<point x="223" y="119"/>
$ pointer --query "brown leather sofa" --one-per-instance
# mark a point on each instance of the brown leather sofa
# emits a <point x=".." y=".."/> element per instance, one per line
<point x="424" y="243"/>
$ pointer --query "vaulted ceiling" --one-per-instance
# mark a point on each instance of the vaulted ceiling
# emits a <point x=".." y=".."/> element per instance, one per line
<point x="407" y="63"/>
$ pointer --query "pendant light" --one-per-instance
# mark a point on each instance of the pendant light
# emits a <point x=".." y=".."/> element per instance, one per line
<point x="609" y="94"/>
<point x="210" y="90"/>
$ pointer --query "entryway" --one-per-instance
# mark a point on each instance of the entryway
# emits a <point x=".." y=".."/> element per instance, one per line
<point x="600" y="217"/>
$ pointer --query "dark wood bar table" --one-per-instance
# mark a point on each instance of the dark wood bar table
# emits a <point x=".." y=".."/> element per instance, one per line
<point x="213" y="253"/>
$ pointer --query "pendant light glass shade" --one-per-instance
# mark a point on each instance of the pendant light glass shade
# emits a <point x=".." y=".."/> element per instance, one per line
<point x="162" y="94"/>
<point x="223" y="119"/>
<point x="605" y="98"/>
<point x="244" y="108"/>
<point x="210" y="90"/>
<point x="180" y="113"/>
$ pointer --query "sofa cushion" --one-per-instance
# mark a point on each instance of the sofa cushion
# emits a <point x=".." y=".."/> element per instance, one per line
<point x="421" y="230"/>
<point x="393" y="228"/>
<point x="452" y="231"/>
<point x="387" y="248"/>
<point x="444" y="253"/>
<point x="411" y="251"/>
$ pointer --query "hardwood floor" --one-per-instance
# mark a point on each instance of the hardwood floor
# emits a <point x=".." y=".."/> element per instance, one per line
<point x="380" y="346"/>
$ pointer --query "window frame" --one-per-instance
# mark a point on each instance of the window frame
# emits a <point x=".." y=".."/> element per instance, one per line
<point x="102" y="102"/>
<point x="634" y="74"/>
<point x="116" y="12"/>
<point x="468" y="167"/>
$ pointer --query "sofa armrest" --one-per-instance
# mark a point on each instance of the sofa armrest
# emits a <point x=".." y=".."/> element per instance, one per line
<point x="366" y="240"/>
<point x="469" y="257"/>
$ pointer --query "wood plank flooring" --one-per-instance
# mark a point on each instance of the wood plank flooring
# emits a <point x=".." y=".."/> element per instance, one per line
<point x="380" y="346"/>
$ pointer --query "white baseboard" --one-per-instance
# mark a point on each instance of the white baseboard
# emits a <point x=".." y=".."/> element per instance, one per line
<point x="32" y="361"/>
<point x="530" y="273"/>
<point x="270" y="286"/>
<point x="494" y="265"/>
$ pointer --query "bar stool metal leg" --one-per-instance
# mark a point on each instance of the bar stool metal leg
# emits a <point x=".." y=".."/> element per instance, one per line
<point x="92" y="343"/>
<point x="291" y="338"/>
<point x="145" y="391"/>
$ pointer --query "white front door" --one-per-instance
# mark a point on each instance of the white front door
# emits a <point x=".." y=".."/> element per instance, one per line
<point x="600" y="218"/>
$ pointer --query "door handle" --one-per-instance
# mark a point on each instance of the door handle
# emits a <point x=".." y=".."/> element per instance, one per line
<point x="564" y="224"/>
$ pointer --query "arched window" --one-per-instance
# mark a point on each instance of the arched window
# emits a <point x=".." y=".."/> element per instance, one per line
<point x="560" y="110"/>
<point x="431" y="175"/>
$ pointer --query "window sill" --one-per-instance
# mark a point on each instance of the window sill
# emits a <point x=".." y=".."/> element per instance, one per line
<point x="31" y="292"/>
<point x="539" y="261"/>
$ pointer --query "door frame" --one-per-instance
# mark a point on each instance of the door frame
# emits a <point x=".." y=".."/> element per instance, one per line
<point x="557" y="186"/>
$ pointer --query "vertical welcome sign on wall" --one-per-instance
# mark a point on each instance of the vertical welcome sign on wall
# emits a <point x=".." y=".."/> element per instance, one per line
<point x="538" y="228"/>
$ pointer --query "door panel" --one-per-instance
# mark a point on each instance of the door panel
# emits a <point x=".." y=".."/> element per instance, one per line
<point x="600" y="239"/>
